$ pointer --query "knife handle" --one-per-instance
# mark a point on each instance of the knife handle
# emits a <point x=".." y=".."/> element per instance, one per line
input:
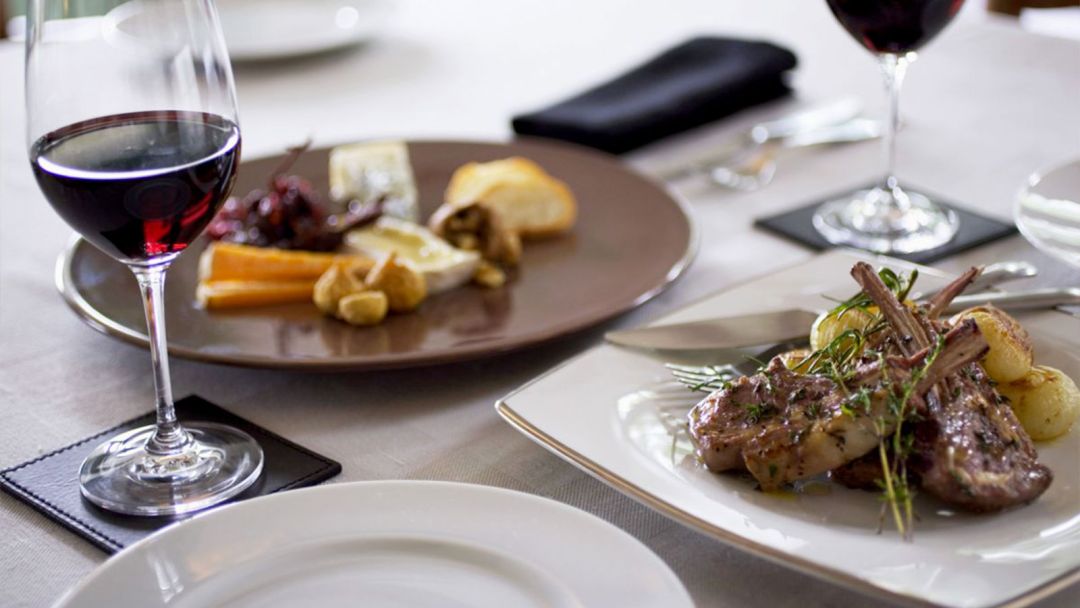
<point x="1035" y="299"/>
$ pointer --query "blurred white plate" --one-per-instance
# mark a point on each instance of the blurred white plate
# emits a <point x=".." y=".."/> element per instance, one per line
<point x="386" y="543"/>
<point x="618" y="415"/>
<point x="263" y="30"/>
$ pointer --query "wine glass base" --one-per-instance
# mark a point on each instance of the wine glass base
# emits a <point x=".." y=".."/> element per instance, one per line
<point x="218" y="463"/>
<point x="886" y="220"/>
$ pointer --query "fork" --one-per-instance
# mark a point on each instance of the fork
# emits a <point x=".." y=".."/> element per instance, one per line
<point x="704" y="378"/>
<point x="708" y="378"/>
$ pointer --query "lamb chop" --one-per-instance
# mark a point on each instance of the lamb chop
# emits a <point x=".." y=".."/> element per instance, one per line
<point x="865" y="473"/>
<point x="969" y="450"/>
<point x="782" y="426"/>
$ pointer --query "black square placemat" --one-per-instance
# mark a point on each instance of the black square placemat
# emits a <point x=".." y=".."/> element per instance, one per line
<point x="50" y="483"/>
<point x="974" y="230"/>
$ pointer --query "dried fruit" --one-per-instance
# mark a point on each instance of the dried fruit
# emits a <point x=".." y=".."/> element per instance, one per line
<point x="289" y="214"/>
<point x="363" y="308"/>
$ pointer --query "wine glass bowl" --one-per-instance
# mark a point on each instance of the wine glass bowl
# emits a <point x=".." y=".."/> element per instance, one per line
<point x="894" y="26"/>
<point x="888" y="218"/>
<point x="133" y="138"/>
<point x="1047" y="212"/>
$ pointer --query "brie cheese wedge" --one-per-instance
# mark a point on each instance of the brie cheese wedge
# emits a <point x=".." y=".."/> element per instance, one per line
<point x="443" y="266"/>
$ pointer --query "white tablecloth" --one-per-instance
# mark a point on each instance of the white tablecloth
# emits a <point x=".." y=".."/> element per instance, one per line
<point x="987" y="105"/>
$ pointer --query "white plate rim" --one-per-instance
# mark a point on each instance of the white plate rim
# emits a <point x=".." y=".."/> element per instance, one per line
<point x="377" y="10"/>
<point x="804" y="565"/>
<point x="191" y="526"/>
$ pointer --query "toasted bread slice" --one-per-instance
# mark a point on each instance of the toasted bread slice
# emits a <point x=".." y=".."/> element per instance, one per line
<point x="527" y="199"/>
<point x="217" y="295"/>
<point x="232" y="262"/>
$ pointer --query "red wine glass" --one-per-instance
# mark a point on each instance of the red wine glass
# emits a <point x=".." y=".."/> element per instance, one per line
<point x="133" y="138"/>
<point x="889" y="218"/>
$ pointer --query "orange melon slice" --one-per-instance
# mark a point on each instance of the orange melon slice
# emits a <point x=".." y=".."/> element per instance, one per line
<point x="218" y="295"/>
<point x="232" y="262"/>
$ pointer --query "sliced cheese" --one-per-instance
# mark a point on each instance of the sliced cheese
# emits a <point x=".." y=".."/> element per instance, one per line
<point x="368" y="171"/>
<point x="443" y="266"/>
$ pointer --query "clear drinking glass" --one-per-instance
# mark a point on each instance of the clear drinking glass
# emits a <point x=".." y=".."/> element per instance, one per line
<point x="1047" y="212"/>
<point x="889" y="218"/>
<point x="133" y="138"/>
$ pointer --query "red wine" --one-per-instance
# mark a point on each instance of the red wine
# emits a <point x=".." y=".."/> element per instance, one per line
<point x="139" y="186"/>
<point x="894" y="26"/>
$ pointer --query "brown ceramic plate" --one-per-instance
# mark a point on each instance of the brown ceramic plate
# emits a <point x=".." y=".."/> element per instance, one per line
<point x="631" y="240"/>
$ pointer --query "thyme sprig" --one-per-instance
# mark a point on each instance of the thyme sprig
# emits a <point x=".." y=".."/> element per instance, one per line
<point x="835" y="360"/>
<point x="838" y="361"/>
<point x="897" y="492"/>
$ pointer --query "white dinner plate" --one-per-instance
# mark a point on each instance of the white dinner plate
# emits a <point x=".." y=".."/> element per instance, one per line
<point x="617" y="415"/>
<point x="262" y="30"/>
<point x="386" y="543"/>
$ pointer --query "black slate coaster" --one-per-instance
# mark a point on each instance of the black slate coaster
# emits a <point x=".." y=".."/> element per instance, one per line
<point x="975" y="230"/>
<point x="50" y="483"/>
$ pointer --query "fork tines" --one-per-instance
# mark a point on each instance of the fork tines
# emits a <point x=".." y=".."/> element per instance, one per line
<point x="707" y="378"/>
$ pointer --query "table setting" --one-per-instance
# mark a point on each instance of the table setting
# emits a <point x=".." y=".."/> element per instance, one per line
<point x="544" y="304"/>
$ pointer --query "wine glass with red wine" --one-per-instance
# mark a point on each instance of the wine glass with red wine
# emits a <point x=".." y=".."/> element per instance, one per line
<point x="889" y="218"/>
<point x="133" y="138"/>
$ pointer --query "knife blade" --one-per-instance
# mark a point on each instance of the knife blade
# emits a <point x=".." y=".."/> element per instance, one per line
<point x="727" y="332"/>
<point x="790" y="325"/>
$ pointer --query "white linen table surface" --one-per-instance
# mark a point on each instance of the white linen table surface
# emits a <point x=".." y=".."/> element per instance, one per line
<point x="986" y="105"/>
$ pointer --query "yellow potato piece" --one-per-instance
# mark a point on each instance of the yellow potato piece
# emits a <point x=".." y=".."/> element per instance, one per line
<point x="229" y="261"/>
<point x="1045" y="400"/>
<point x="828" y="326"/>
<point x="1011" y="354"/>
<point x="793" y="358"/>
<point x="216" y="295"/>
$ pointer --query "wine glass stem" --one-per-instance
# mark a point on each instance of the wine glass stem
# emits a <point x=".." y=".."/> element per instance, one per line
<point x="893" y="67"/>
<point x="169" y="437"/>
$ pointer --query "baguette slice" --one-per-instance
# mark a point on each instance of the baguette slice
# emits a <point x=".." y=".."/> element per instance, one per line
<point x="527" y="200"/>
<point x="232" y="262"/>
<point x="218" y="295"/>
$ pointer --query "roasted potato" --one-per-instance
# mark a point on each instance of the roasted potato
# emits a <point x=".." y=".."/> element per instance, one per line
<point x="1045" y="400"/>
<point x="363" y="308"/>
<point x="1011" y="355"/>
<point x="337" y="282"/>
<point x="828" y="325"/>
<point x="793" y="358"/>
<point x="404" y="287"/>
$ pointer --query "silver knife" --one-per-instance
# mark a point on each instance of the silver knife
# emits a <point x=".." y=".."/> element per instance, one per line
<point x="811" y="119"/>
<point x="727" y="332"/>
<point x="789" y="325"/>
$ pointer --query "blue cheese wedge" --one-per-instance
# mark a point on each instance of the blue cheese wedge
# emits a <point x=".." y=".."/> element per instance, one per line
<point x="366" y="172"/>
<point x="443" y="266"/>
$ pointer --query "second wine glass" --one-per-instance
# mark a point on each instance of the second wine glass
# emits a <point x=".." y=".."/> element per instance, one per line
<point x="889" y="218"/>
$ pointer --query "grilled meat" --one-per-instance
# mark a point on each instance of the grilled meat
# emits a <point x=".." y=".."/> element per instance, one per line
<point x="782" y="426"/>
<point x="969" y="449"/>
<point x="862" y="473"/>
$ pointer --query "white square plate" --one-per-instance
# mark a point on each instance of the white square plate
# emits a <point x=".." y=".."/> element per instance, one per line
<point x="617" y="415"/>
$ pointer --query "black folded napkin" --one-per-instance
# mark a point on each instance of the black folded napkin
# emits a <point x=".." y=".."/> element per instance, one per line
<point x="698" y="81"/>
